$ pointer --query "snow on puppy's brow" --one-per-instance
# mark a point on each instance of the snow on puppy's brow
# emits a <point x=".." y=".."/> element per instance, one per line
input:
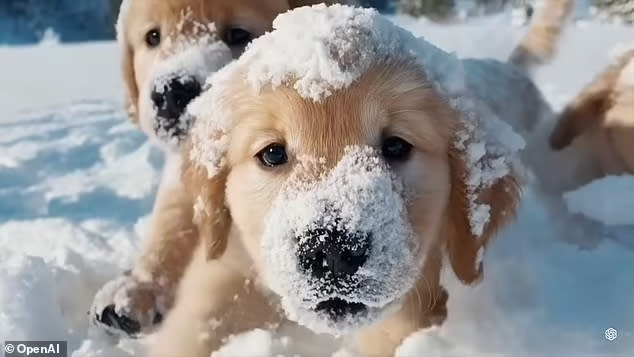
<point x="341" y="44"/>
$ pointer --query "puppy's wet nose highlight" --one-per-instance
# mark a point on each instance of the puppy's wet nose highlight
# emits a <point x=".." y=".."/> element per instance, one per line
<point x="172" y="95"/>
<point x="332" y="252"/>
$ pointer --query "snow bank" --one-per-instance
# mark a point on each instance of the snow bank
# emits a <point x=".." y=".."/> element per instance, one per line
<point x="609" y="200"/>
<point x="75" y="183"/>
<point x="48" y="280"/>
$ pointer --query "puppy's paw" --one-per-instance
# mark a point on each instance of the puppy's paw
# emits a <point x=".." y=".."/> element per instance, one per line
<point x="127" y="307"/>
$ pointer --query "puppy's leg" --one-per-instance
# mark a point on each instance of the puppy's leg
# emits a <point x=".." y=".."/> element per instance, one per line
<point x="424" y="306"/>
<point x="134" y="302"/>
<point x="215" y="300"/>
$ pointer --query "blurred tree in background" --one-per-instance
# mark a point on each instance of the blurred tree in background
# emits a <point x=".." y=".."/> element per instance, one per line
<point x="435" y="9"/>
<point x="114" y="10"/>
<point x="620" y="10"/>
<point x="26" y="21"/>
<point x="381" y="5"/>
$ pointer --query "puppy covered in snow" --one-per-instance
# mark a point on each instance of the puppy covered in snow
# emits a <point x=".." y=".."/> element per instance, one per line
<point x="169" y="47"/>
<point x="335" y="170"/>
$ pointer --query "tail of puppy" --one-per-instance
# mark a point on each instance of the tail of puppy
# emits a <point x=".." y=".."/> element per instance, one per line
<point x="539" y="44"/>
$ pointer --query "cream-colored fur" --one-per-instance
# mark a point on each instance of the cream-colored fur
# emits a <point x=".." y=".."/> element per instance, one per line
<point x="172" y="236"/>
<point x="592" y="138"/>
<point x="602" y="116"/>
<point x="220" y="297"/>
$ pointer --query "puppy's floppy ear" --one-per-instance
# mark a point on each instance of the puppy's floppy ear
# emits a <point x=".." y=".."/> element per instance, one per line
<point x="211" y="215"/>
<point x="465" y="249"/>
<point x="129" y="78"/>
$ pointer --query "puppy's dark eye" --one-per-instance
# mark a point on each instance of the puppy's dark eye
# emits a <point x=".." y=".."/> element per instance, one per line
<point x="235" y="36"/>
<point x="396" y="149"/>
<point x="153" y="38"/>
<point x="273" y="155"/>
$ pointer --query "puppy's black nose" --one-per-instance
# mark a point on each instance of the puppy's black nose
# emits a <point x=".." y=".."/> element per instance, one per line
<point x="120" y="322"/>
<point x="332" y="252"/>
<point x="171" y="96"/>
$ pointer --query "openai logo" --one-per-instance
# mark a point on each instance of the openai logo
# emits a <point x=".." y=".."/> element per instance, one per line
<point x="611" y="334"/>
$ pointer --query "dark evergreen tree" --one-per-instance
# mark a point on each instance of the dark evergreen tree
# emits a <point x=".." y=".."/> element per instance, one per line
<point x="622" y="10"/>
<point x="26" y="21"/>
<point x="435" y="9"/>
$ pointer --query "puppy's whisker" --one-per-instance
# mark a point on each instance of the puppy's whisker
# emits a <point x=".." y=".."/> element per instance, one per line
<point x="419" y="300"/>
<point x="431" y="301"/>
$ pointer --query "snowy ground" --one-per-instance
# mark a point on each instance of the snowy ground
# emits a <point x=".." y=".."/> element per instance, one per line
<point x="77" y="181"/>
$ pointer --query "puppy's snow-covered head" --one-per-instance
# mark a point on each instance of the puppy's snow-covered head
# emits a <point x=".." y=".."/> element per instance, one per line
<point x="170" y="47"/>
<point x="348" y="160"/>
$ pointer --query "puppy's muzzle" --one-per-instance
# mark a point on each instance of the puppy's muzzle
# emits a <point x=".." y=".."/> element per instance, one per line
<point x="339" y="250"/>
<point x="171" y="96"/>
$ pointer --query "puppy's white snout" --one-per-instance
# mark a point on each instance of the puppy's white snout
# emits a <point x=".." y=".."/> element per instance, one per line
<point x="342" y="245"/>
<point x="176" y="82"/>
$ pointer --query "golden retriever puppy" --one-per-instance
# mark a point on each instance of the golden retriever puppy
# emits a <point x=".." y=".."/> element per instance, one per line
<point x="603" y="113"/>
<point x="169" y="47"/>
<point x="592" y="138"/>
<point x="335" y="170"/>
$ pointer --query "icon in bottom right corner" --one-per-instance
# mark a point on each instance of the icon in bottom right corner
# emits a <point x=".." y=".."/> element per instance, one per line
<point x="611" y="334"/>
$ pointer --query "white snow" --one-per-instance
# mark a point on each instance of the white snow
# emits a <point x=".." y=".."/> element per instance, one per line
<point x="339" y="47"/>
<point x="609" y="200"/>
<point x="61" y="115"/>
